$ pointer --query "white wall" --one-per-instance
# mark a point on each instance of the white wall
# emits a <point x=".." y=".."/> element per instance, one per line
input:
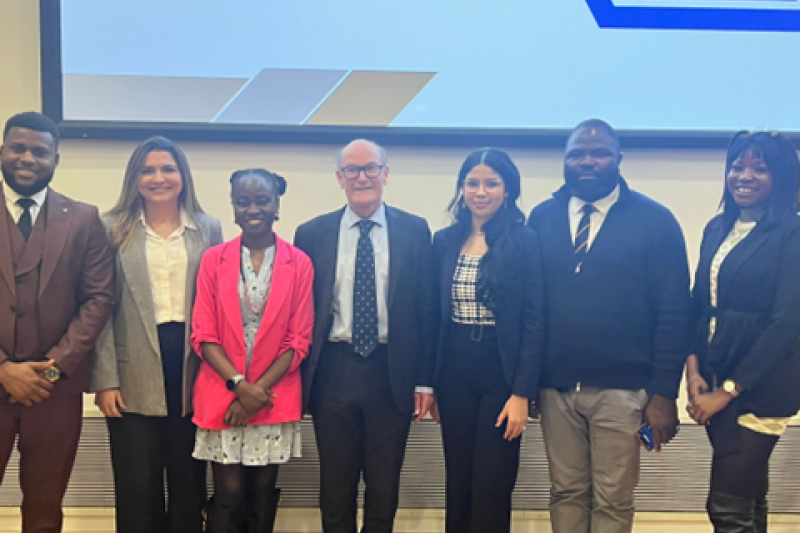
<point x="422" y="180"/>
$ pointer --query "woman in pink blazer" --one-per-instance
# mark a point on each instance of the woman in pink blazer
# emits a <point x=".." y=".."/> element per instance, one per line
<point x="252" y="325"/>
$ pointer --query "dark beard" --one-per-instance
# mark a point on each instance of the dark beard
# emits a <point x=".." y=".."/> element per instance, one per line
<point x="26" y="190"/>
<point x="591" y="190"/>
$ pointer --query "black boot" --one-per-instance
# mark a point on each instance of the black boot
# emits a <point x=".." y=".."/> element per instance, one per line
<point x="761" y="516"/>
<point x="731" y="514"/>
<point x="221" y="519"/>
<point x="262" y="510"/>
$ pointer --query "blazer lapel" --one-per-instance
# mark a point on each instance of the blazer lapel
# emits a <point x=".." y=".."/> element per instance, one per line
<point x="133" y="260"/>
<point x="229" y="272"/>
<point x="398" y="250"/>
<point x="195" y="247"/>
<point x="326" y="269"/>
<point x="282" y="279"/>
<point x="59" y="221"/>
<point x="448" y="270"/>
<point x="6" y="253"/>
<point x="739" y="255"/>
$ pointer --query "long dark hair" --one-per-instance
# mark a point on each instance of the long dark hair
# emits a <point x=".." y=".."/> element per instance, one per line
<point x="780" y="156"/>
<point x="500" y="267"/>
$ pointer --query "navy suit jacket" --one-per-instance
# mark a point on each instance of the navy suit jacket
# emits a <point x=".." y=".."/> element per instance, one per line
<point x="412" y="330"/>
<point x="519" y="318"/>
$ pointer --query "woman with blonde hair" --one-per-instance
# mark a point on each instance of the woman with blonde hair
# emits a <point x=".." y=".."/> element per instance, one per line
<point x="144" y="368"/>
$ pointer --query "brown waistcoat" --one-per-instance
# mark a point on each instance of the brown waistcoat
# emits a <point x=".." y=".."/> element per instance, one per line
<point x="27" y="259"/>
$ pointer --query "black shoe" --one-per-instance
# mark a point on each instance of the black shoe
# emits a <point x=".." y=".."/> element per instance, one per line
<point x="731" y="514"/>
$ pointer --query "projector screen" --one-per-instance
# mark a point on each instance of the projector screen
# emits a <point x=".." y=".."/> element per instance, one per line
<point x="298" y="69"/>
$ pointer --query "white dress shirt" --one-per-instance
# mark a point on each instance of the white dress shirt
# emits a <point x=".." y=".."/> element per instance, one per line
<point x="596" y="219"/>
<point x="166" y="265"/>
<point x="16" y="210"/>
<point x="342" y="329"/>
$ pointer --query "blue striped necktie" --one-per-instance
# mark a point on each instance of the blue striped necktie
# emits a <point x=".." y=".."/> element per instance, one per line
<point x="582" y="236"/>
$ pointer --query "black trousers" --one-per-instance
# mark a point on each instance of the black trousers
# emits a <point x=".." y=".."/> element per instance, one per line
<point x="359" y="429"/>
<point x="481" y="467"/>
<point x="143" y="448"/>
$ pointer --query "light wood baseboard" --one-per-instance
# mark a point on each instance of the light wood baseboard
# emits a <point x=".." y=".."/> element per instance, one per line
<point x="101" y="520"/>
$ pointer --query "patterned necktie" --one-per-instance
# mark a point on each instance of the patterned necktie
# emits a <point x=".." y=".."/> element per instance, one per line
<point x="365" y="303"/>
<point x="582" y="237"/>
<point x="25" y="222"/>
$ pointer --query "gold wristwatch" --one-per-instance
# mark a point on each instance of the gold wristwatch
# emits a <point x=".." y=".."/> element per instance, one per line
<point x="52" y="374"/>
<point x="729" y="386"/>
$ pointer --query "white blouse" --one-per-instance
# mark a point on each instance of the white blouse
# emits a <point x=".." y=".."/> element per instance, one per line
<point x="167" y="262"/>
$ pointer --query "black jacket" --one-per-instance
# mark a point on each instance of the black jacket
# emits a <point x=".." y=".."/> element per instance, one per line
<point x="758" y="315"/>
<point x="519" y="317"/>
<point x="411" y="305"/>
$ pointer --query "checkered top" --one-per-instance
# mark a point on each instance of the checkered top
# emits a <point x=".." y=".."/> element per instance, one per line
<point x="466" y="308"/>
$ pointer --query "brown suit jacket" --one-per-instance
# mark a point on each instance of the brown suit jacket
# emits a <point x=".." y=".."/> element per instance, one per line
<point x="75" y="289"/>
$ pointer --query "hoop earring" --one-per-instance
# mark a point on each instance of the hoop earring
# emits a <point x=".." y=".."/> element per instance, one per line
<point x="505" y="203"/>
<point x="463" y="204"/>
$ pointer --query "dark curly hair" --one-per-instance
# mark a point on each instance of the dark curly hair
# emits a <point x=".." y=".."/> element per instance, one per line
<point x="270" y="178"/>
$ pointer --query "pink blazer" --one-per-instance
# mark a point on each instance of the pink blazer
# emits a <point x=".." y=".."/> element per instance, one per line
<point x="288" y="323"/>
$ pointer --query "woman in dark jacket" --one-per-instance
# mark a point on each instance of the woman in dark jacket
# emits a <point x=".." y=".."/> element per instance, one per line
<point x="743" y="373"/>
<point x="490" y="340"/>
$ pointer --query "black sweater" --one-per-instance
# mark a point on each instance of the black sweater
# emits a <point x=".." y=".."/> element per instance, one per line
<point x="622" y="321"/>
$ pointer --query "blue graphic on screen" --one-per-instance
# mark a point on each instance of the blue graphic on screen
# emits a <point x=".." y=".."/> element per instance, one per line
<point x="702" y="65"/>
<point x="762" y="15"/>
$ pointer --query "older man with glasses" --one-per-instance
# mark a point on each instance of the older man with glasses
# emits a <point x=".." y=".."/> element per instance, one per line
<point x="371" y="362"/>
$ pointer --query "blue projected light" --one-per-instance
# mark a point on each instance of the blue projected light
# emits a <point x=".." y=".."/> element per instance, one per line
<point x="609" y="15"/>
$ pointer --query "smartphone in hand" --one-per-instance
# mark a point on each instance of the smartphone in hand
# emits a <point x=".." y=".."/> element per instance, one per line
<point x="645" y="437"/>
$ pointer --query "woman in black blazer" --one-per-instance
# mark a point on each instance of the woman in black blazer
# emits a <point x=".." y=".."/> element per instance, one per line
<point x="744" y="369"/>
<point x="490" y="340"/>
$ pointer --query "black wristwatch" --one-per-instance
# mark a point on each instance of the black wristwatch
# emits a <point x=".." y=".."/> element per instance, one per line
<point x="231" y="383"/>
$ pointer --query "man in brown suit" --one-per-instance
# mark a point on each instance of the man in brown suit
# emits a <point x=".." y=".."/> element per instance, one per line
<point x="56" y="275"/>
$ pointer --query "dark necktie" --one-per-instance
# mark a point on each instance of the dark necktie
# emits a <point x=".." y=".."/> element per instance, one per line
<point x="582" y="236"/>
<point x="365" y="303"/>
<point x="25" y="222"/>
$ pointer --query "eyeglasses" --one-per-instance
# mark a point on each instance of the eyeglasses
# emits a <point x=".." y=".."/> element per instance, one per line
<point x="371" y="171"/>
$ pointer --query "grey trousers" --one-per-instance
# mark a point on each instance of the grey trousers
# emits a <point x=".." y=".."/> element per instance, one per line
<point x="593" y="455"/>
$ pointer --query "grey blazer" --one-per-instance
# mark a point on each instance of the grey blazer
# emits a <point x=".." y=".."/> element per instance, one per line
<point x="127" y="354"/>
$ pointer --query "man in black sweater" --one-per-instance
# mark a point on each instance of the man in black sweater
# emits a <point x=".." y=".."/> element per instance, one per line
<point x="617" y="286"/>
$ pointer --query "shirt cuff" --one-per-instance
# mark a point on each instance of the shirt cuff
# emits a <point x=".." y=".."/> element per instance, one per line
<point x="423" y="390"/>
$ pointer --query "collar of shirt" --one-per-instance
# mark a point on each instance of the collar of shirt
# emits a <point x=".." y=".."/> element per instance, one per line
<point x="603" y="205"/>
<point x="12" y="196"/>
<point x="186" y="222"/>
<point x="350" y="218"/>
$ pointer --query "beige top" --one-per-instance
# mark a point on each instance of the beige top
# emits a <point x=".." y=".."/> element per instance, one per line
<point x="166" y="266"/>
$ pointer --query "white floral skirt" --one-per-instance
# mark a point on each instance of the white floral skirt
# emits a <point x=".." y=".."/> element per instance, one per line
<point x="249" y="446"/>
